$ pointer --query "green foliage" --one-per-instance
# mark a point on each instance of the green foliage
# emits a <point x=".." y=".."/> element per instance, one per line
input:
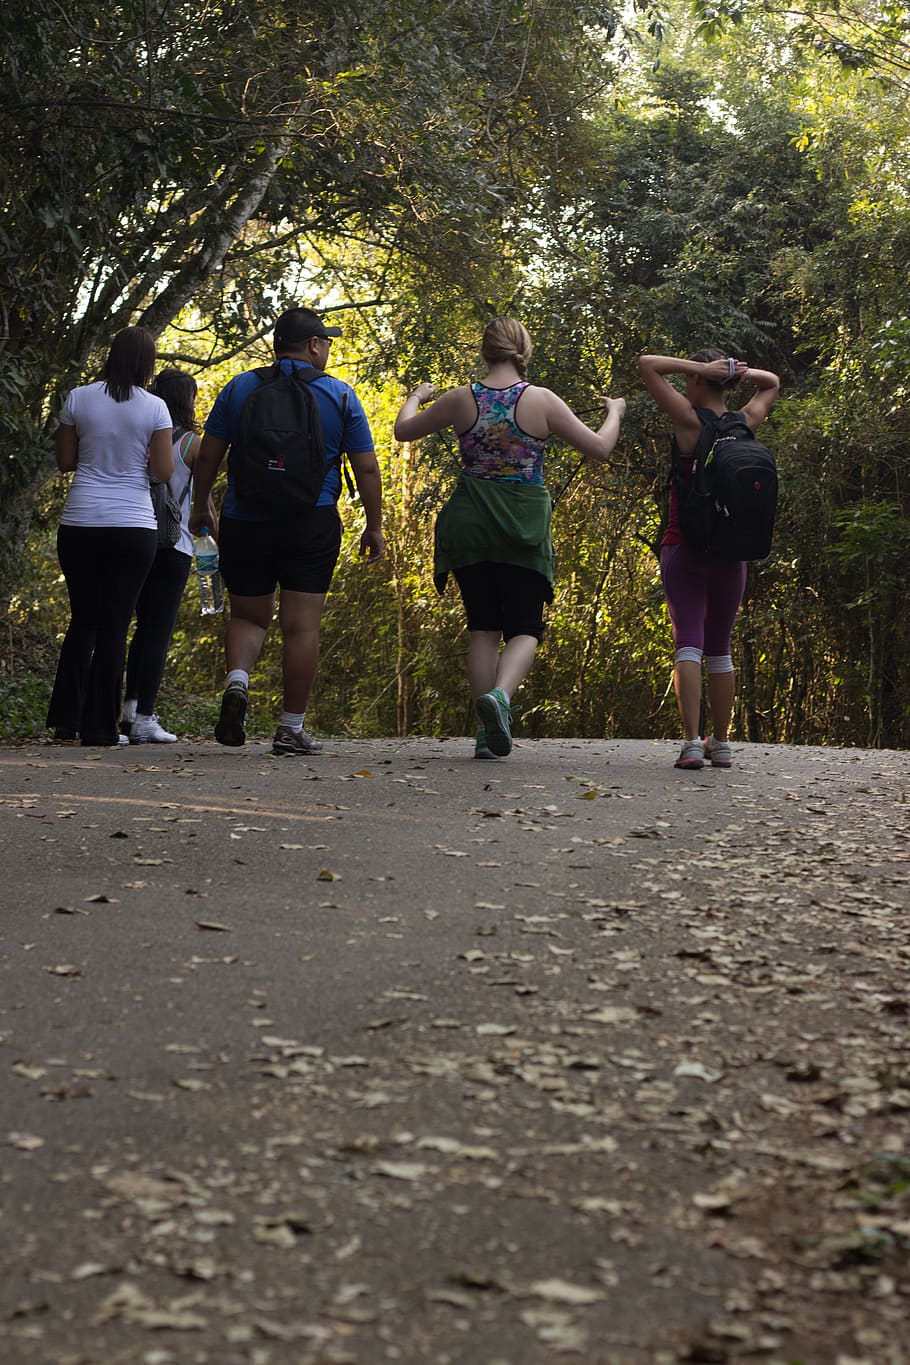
<point x="734" y="176"/>
<point x="23" y="705"/>
<point x="871" y="550"/>
<point x="224" y="157"/>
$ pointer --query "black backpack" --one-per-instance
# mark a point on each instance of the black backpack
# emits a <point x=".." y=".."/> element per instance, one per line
<point x="728" y="503"/>
<point x="278" y="452"/>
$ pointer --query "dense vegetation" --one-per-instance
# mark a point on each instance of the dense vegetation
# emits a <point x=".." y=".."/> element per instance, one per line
<point x="734" y="175"/>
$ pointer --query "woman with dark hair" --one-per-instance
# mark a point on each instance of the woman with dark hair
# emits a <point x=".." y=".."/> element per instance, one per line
<point x="162" y="591"/>
<point x="703" y="593"/>
<point x="112" y="436"/>
<point x="494" y="532"/>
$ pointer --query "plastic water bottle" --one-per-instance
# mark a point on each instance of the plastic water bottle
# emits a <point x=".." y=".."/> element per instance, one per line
<point x="208" y="577"/>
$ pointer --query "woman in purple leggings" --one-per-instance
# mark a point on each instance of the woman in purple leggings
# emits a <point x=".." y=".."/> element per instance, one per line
<point x="703" y="593"/>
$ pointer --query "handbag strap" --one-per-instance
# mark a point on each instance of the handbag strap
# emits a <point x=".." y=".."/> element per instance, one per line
<point x="186" y="440"/>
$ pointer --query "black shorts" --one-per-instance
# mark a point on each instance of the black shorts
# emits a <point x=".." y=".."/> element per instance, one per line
<point x="503" y="597"/>
<point x="298" y="554"/>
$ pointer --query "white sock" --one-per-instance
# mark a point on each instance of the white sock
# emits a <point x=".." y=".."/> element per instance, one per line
<point x="292" y="720"/>
<point x="238" y="675"/>
<point x="129" y="709"/>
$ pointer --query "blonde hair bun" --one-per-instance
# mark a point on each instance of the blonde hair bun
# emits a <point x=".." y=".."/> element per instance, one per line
<point x="506" y="341"/>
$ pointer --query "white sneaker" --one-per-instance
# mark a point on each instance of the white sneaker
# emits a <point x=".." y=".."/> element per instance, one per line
<point x="148" y="730"/>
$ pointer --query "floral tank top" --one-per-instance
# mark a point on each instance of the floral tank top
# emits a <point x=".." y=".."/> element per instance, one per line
<point x="495" y="447"/>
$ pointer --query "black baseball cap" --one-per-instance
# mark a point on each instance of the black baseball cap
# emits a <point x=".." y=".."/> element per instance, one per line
<point x="299" y="324"/>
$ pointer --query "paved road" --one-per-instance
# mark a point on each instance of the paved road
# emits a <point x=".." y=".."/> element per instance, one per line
<point x="391" y="1055"/>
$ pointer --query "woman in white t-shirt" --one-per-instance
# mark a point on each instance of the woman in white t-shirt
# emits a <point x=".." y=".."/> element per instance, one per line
<point x="112" y="435"/>
<point x="159" y="600"/>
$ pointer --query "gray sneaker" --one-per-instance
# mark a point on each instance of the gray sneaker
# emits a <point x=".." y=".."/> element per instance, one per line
<point x="691" y="755"/>
<point x="717" y="753"/>
<point x="229" y="726"/>
<point x="288" y="741"/>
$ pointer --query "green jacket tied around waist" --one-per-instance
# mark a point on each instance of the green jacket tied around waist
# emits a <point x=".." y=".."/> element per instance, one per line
<point x="507" y="523"/>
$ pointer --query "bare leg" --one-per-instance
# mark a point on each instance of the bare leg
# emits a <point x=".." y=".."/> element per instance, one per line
<point x="299" y="615"/>
<point x="515" y="663"/>
<point x="483" y="659"/>
<point x="721" y="692"/>
<point x="687" y="682"/>
<point x="246" y="630"/>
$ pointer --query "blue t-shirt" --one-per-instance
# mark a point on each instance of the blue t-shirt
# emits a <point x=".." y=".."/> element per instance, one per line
<point x="329" y="394"/>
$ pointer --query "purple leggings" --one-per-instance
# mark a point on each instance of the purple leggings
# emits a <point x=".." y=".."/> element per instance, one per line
<point x="703" y="597"/>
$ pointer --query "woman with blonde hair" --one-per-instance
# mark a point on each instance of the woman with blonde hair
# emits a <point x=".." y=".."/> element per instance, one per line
<point x="493" y="534"/>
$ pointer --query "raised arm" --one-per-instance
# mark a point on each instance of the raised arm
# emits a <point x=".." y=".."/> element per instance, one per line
<point x="454" y="408"/>
<point x="654" y="372"/>
<point x="562" y="422"/>
<point x="760" y="404"/>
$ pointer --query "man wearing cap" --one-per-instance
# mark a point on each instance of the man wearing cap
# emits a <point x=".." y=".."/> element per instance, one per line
<point x="260" y="551"/>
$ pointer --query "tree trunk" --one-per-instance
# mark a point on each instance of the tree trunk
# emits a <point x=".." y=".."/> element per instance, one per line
<point x="747" y="680"/>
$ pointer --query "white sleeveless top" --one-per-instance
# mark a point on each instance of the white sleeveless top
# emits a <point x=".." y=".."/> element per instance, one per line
<point x="180" y="487"/>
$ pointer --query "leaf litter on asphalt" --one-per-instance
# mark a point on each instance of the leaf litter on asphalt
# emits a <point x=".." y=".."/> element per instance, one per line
<point x="707" y="1082"/>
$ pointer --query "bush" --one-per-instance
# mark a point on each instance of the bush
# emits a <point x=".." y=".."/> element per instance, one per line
<point x="23" y="706"/>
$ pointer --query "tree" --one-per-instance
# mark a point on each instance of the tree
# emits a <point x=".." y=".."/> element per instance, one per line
<point x="740" y="179"/>
<point x="162" y="155"/>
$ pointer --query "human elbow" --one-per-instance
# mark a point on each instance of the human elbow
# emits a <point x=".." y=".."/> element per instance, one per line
<point x="162" y="468"/>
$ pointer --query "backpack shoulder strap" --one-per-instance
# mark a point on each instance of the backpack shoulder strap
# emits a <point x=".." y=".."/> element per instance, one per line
<point x="730" y="420"/>
<point x="343" y="463"/>
<point x="709" y="423"/>
<point x="263" y="373"/>
<point x="307" y="373"/>
<point x="186" y="440"/>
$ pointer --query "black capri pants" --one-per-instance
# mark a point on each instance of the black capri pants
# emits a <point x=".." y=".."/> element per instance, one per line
<point x="503" y="597"/>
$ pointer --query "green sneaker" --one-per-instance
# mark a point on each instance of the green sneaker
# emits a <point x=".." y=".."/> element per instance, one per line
<point x="495" y="715"/>
<point x="481" y="748"/>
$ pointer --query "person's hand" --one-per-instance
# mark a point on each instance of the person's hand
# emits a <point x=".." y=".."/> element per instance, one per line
<point x="424" y="392"/>
<point x="617" y="405"/>
<point x="723" y="370"/>
<point x="201" y="521"/>
<point x="372" y="544"/>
